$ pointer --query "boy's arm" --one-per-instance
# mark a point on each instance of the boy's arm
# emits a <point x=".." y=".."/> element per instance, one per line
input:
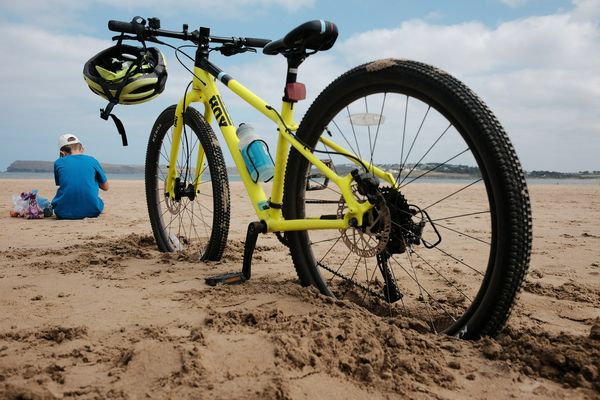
<point x="101" y="177"/>
<point x="56" y="175"/>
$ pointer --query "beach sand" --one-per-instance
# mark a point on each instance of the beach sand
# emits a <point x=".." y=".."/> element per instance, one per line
<point x="90" y="309"/>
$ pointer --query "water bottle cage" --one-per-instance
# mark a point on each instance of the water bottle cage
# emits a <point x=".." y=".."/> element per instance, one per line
<point x="254" y="166"/>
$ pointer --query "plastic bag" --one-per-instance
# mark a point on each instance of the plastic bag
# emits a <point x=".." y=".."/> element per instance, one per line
<point x="45" y="205"/>
<point x="19" y="206"/>
<point x="26" y="205"/>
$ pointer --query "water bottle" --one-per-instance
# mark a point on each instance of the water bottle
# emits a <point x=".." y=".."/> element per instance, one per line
<point x="255" y="153"/>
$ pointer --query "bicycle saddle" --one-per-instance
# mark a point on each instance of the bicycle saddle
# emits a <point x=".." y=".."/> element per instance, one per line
<point x="315" y="35"/>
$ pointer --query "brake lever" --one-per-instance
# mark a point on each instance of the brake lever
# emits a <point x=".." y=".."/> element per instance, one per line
<point x="230" y="49"/>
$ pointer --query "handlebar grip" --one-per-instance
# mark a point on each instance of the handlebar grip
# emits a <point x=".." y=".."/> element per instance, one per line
<point x="255" y="42"/>
<point x="135" y="28"/>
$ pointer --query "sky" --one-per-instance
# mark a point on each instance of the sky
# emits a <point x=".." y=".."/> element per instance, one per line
<point x="536" y="63"/>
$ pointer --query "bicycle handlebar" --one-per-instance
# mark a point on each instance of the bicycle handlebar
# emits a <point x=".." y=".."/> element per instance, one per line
<point x="138" y="27"/>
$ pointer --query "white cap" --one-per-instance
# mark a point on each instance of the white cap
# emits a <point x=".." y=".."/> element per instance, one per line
<point x="67" y="139"/>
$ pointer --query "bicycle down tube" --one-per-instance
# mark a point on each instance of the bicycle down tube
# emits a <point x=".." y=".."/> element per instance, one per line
<point x="204" y="90"/>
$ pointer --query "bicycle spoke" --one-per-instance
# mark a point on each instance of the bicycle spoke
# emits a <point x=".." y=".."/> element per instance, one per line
<point x="462" y="234"/>
<point x="438" y="248"/>
<point x="423" y="156"/>
<point x="193" y="225"/>
<point x="460" y="216"/>
<point x="368" y="132"/>
<point x="186" y="208"/>
<point x="452" y="194"/>
<point x="415" y="138"/>
<point x="344" y="137"/>
<point x="436" y="167"/>
<point x="403" y="136"/>
<point x="425" y="290"/>
<point x="341" y="265"/>
<point x="443" y="277"/>
<point x="378" y="126"/>
<point x="325" y="241"/>
<point x="353" y="132"/>
<point x="367" y="279"/>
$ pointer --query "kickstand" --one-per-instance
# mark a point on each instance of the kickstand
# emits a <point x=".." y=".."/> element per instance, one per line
<point x="234" y="278"/>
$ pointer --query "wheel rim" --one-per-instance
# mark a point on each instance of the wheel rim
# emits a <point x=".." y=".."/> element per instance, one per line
<point x="440" y="286"/>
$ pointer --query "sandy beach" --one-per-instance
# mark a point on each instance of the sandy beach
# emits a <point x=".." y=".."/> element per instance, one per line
<point x="90" y="309"/>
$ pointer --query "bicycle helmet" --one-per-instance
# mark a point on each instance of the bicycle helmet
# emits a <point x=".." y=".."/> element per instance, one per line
<point x="125" y="74"/>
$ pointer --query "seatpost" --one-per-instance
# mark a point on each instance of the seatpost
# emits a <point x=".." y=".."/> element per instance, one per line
<point x="294" y="91"/>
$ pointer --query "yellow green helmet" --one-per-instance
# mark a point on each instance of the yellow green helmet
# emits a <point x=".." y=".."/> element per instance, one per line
<point x="126" y="74"/>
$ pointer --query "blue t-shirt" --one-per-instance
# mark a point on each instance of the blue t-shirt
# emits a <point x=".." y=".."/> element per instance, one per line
<point x="77" y="177"/>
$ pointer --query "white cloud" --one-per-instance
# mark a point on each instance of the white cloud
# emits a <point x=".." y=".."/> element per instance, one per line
<point x="586" y="10"/>
<point x="39" y="64"/>
<point x="538" y="74"/>
<point x="475" y="48"/>
<point x="215" y="7"/>
<point x="515" y="3"/>
<point x="42" y="91"/>
<point x="59" y="13"/>
<point x="56" y="14"/>
<point x="34" y="7"/>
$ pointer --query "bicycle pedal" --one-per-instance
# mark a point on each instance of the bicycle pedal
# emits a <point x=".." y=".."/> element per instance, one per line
<point x="231" y="278"/>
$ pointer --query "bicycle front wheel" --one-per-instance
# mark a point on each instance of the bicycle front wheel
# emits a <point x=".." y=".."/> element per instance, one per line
<point x="448" y="239"/>
<point x="196" y="217"/>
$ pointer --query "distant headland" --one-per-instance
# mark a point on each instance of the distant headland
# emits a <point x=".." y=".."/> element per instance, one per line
<point x="29" y="166"/>
<point x="48" y="166"/>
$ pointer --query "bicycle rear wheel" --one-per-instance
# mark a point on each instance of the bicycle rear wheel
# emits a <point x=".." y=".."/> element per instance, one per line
<point x="197" y="218"/>
<point x="449" y="241"/>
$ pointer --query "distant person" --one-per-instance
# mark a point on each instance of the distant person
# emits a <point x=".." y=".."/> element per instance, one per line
<point x="78" y="177"/>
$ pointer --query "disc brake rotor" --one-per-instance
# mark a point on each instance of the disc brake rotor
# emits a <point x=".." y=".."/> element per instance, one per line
<point x="372" y="237"/>
<point x="173" y="206"/>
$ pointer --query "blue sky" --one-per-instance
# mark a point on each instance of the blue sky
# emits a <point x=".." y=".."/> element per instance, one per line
<point x="535" y="62"/>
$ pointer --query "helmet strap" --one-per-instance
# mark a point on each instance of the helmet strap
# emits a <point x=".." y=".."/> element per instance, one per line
<point x="120" y="128"/>
<point x="120" y="41"/>
<point x="106" y="112"/>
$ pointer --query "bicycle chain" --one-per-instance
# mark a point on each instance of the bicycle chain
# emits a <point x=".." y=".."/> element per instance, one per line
<point x="282" y="239"/>
<point x="358" y="284"/>
<point x="317" y="201"/>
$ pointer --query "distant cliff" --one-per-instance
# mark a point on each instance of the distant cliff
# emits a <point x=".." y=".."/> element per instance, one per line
<point x="47" y="166"/>
<point x="444" y="171"/>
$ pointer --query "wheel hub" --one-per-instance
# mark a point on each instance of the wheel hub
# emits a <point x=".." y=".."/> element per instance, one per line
<point x="181" y="189"/>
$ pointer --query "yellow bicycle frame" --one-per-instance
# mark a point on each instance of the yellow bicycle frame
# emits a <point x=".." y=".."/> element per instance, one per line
<point x="204" y="90"/>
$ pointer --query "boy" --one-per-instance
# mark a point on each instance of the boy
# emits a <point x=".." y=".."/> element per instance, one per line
<point x="78" y="177"/>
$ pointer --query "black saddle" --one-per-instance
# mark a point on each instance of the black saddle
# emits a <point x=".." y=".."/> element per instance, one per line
<point x="314" y="35"/>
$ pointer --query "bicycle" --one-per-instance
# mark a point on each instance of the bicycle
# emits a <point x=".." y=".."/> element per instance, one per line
<point x="346" y="196"/>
